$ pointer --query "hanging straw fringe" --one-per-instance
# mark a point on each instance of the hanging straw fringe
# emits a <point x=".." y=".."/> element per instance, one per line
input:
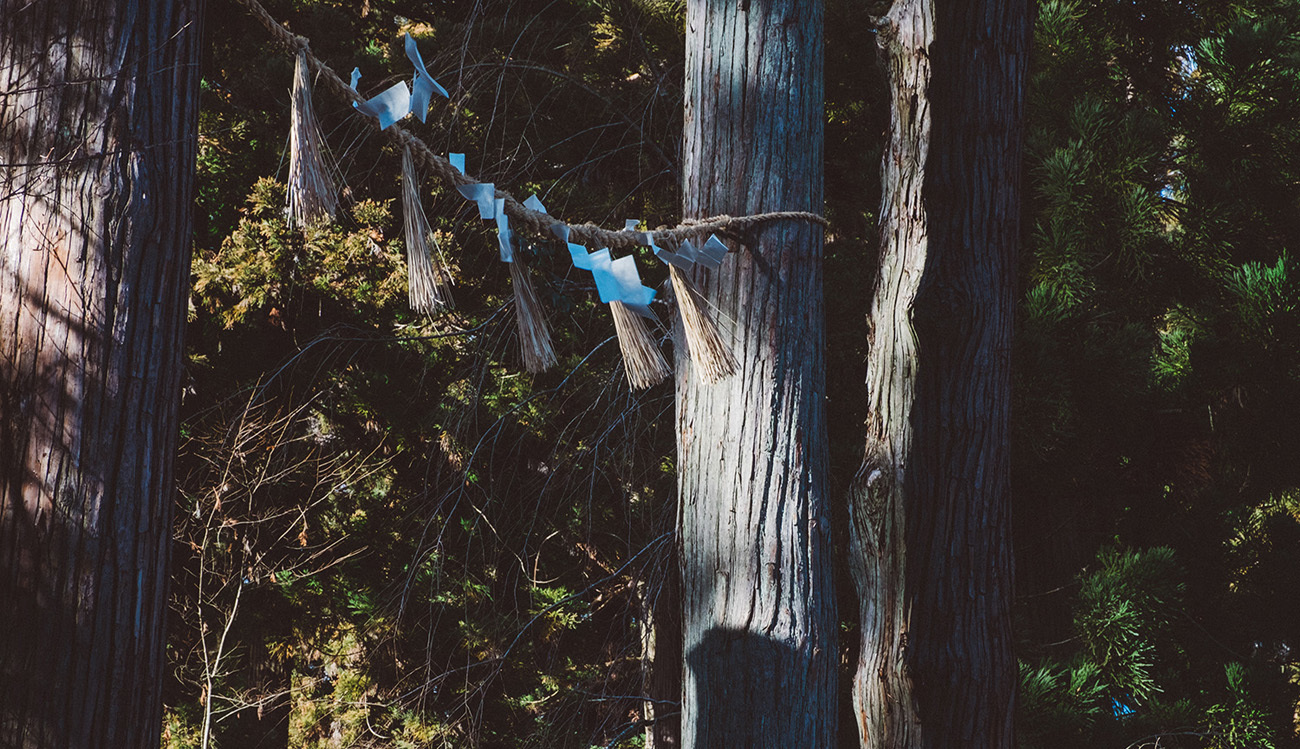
<point x="428" y="282"/>
<point x="534" y="337"/>
<point x="642" y="360"/>
<point x="312" y="197"/>
<point x="709" y="352"/>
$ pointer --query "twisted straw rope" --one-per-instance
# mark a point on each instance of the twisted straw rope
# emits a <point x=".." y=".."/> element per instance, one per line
<point x="540" y="223"/>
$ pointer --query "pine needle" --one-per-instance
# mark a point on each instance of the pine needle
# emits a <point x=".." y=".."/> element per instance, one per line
<point x="534" y="336"/>
<point x="312" y="197"/>
<point x="428" y="280"/>
<point x="644" y="363"/>
<point x="708" y="351"/>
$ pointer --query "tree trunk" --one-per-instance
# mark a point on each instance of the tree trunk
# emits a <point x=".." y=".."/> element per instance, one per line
<point x="661" y="618"/>
<point x="758" y="608"/>
<point x="931" y="507"/>
<point x="97" y="145"/>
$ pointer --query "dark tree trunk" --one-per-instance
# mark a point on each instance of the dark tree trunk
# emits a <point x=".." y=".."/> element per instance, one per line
<point x="757" y="597"/>
<point x="931" y="503"/>
<point x="662" y="660"/>
<point x="98" y="107"/>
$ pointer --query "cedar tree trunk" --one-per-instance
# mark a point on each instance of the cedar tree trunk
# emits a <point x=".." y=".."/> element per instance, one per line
<point x="661" y="618"/>
<point x="758" y="609"/>
<point x="931" y="547"/>
<point x="98" y="108"/>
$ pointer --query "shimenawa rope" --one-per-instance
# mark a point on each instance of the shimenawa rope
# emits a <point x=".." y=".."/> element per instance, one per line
<point x="587" y="234"/>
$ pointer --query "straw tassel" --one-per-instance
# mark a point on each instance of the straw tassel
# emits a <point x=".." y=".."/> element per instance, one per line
<point x="644" y="363"/>
<point x="534" y="336"/>
<point x="709" y="352"/>
<point x="427" y="278"/>
<point x="312" y="197"/>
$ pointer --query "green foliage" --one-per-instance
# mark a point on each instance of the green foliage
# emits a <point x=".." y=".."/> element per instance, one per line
<point x="1238" y="723"/>
<point x="411" y="542"/>
<point x="1059" y="706"/>
<point x="261" y="264"/>
<point x="1240" y="159"/>
<point x="1155" y="371"/>
<point x="1172" y="364"/>
<point x="332" y="709"/>
<point x="1125" y="659"/>
<point x="181" y="729"/>
<point x="1123" y="609"/>
<point x="1267" y="300"/>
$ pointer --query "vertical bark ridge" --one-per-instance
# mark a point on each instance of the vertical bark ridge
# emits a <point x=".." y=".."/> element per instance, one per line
<point x="757" y="599"/>
<point x="883" y="685"/>
<point x="931" y="528"/>
<point x="98" y="124"/>
<point x="964" y="316"/>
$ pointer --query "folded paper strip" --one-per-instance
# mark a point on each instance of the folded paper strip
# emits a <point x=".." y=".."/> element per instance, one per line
<point x="503" y="231"/>
<point x="484" y="194"/>
<point x="423" y="86"/>
<point x="709" y="255"/>
<point x="389" y="106"/>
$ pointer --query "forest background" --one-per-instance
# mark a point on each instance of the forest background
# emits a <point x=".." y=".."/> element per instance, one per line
<point x="390" y="535"/>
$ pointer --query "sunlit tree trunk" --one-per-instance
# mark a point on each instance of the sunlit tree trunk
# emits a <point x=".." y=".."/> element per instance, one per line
<point x="98" y="107"/>
<point x="757" y="598"/>
<point x="931" y="547"/>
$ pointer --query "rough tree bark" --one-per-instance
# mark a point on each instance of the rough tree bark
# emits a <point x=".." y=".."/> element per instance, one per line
<point x="98" y="107"/>
<point x="662" y="657"/>
<point x="757" y="597"/>
<point x="931" y="550"/>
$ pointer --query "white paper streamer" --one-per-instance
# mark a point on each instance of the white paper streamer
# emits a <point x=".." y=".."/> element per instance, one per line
<point x="581" y="259"/>
<point x="389" y="106"/>
<point x="485" y="195"/>
<point x="684" y="258"/>
<point x="599" y="263"/>
<point x="503" y="231"/>
<point x="710" y="255"/>
<point x="617" y="280"/>
<point x="457" y="160"/>
<point x="423" y="86"/>
<point x="632" y="292"/>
